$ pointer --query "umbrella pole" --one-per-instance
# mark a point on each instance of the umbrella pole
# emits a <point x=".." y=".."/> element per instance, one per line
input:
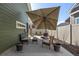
<point x="57" y="32"/>
<point x="51" y="38"/>
<point x="51" y="32"/>
<point x="45" y="26"/>
<point x="45" y="30"/>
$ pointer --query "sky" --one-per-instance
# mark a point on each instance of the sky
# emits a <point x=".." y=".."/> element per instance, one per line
<point x="64" y="8"/>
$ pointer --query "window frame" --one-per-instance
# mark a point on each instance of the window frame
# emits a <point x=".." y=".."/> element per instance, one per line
<point x="77" y="20"/>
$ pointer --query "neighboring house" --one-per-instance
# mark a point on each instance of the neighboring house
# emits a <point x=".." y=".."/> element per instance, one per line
<point x="69" y="30"/>
<point x="74" y="14"/>
<point x="74" y="21"/>
<point x="62" y="24"/>
<point x="67" y="21"/>
<point x="13" y="19"/>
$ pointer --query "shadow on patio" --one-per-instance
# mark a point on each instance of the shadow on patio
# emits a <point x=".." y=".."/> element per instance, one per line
<point x="36" y="49"/>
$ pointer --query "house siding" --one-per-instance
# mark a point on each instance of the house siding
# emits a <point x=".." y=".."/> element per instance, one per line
<point x="9" y="14"/>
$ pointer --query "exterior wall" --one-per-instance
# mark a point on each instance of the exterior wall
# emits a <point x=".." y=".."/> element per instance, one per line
<point x="9" y="14"/>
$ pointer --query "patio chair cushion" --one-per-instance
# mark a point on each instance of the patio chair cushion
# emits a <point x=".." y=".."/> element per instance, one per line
<point x="47" y="41"/>
<point x="25" y="39"/>
<point x="35" y="38"/>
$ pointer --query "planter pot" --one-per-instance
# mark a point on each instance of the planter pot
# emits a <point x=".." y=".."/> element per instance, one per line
<point x="57" y="47"/>
<point x="19" y="46"/>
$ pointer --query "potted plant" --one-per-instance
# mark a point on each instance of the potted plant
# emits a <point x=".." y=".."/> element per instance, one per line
<point x="19" y="46"/>
<point x="57" y="47"/>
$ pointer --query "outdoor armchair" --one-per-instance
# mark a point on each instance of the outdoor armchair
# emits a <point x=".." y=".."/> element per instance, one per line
<point x="46" y="41"/>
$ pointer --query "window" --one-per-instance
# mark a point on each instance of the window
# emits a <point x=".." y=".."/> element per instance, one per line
<point x="20" y="25"/>
<point x="77" y="20"/>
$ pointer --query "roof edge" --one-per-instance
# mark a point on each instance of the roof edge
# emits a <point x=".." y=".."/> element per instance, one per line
<point x="71" y="7"/>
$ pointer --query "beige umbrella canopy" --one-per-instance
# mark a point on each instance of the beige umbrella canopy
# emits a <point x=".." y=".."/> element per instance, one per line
<point x="45" y="18"/>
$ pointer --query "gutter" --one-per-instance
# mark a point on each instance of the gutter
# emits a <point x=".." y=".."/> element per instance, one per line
<point x="71" y="8"/>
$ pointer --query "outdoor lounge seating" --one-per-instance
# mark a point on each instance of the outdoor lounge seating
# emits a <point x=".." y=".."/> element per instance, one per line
<point x="24" y="40"/>
<point x="45" y="40"/>
<point x="45" y="43"/>
<point x="48" y="41"/>
<point x="35" y="39"/>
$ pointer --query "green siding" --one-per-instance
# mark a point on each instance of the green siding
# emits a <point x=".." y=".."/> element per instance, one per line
<point x="9" y="13"/>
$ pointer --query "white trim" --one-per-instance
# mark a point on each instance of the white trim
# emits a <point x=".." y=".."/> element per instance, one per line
<point x="76" y="17"/>
<point x="74" y="12"/>
<point x="19" y="27"/>
<point x="76" y="20"/>
<point x="29" y="6"/>
<point x="20" y="22"/>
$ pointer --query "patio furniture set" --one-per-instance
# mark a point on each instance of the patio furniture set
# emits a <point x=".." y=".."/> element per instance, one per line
<point x="48" y="41"/>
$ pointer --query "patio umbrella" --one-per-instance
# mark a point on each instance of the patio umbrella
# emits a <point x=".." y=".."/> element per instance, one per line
<point x="45" y="18"/>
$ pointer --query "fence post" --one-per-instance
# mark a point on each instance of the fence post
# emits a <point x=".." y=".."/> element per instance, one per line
<point x="70" y="34"/>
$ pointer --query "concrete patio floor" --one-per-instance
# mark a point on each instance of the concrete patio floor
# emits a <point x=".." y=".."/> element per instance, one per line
<point x="34" y="49"/>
